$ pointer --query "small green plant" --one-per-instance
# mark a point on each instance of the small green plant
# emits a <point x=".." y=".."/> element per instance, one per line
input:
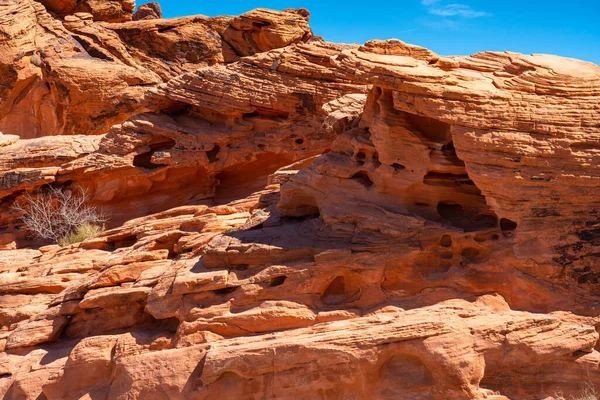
<point x="82" y="232"/>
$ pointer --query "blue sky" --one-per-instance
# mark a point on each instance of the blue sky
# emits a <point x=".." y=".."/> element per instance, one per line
<point x="569" y="28"/>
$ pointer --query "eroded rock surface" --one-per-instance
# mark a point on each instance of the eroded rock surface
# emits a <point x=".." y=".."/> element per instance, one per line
<point x="223" y="130"/>
<point x="80" y="75"/>
<point x="296" y="239"/>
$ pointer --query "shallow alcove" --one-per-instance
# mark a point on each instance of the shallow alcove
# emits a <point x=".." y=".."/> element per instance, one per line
<point x="212" y="154"/>
<point x="507" y="224"/>
<point x="277" y="280"/>
<point x="467" y="218"/>
<point x="144" y="160"/>
<point x="398" y="167"/>
<point x="363" y="178"/>
<point x="432" y="130"/>
<point x="405" y="377"/>
<point x="335" y="293"/>
<point x="446" y="241"/>
<point x="227" y="290"/>
<point x="244" y="179"/>
<point x="469" y="253"/>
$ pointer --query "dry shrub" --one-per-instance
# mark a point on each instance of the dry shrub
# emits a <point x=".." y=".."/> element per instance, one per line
<point x="60" y="215"/>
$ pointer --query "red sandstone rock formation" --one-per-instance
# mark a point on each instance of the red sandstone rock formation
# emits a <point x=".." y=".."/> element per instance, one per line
<point x="148" y="11"/>
<point x="444" y="246"/>
<point x="79" y="76"/>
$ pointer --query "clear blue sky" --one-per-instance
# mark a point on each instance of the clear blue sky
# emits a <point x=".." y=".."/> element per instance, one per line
<point x="569" y="28"/>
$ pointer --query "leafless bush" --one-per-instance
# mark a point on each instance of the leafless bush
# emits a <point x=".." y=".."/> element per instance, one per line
<point x="55" y="213"/>
<point x="589" y="393"/>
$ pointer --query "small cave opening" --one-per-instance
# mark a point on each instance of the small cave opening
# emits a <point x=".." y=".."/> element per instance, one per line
<point x="432" y="130"/>
<point x="446" y="241"/>
<point x="305" y="206"/>
<point x="144" y="160"/>
<point x="507" y="225"/>
<point x="277" y="280"/>
<point x="449" y="148"/>
<point x="467" y="218"/>
<point x="335" y="293"/>
<point x="398" y="167"/>
<point x="450" y="211"/>
<point x="125" y="242"/>
<point x="91" y="49"/>
<point x="460" y="202"/>
<point x="266" y="113"/>
<point x="469" y="253"/>
<point x="446" y="179"/>
<point x="260" y="24"/>
<point x="360" y="157"/>
<point x="363" y="178"/>
<point x="213" y="154"/>
<point x="242" y="180"/>
<point x="226" y="290"/>
<point x="167" y="28"/>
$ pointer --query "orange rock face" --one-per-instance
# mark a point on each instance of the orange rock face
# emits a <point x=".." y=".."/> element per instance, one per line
<point x="80" y="75"/>
<point x="297" y="219"/>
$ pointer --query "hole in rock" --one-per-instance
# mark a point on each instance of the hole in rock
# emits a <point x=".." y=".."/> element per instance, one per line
<point x="460" y="203"/>
<point x="213" y="153"/>
<point x="305" y="206"/>
<point x="267" y="113"/>
<point x="144" y="160"/>
<point x="277" y="280"/>
<point x="360" y="156"/>
<point x="226" y="290"/>
<point x="469" y="254"/>
<point x="480" y="238"/>
<point x="260" y="24"/>
<point x="507" y="225"/>
<point x="451" y="211"/>
<point x="446" y="255"/>
<point x="449" y="149"/>
<point x="430" y="129"/>
<point x="468" y="219"/>
<point x="125" y="242"/>
<point x="166" y="28"/>
<point x="446" y="241"/>
<point x="446" y="179"/>
<point x="363" y="178"/>
<point x="335" y="292"/>
<point x="485" y="220"/>
<point x="398" y="167"/>
<point x="299" y="141"/>
<point x="91" y="50"/>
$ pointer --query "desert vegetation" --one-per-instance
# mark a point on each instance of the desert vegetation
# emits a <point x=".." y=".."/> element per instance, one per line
<point x="60" y="215"/>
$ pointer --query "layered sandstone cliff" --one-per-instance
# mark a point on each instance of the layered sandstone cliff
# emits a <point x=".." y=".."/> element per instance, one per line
<point x="295" y="219"/>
